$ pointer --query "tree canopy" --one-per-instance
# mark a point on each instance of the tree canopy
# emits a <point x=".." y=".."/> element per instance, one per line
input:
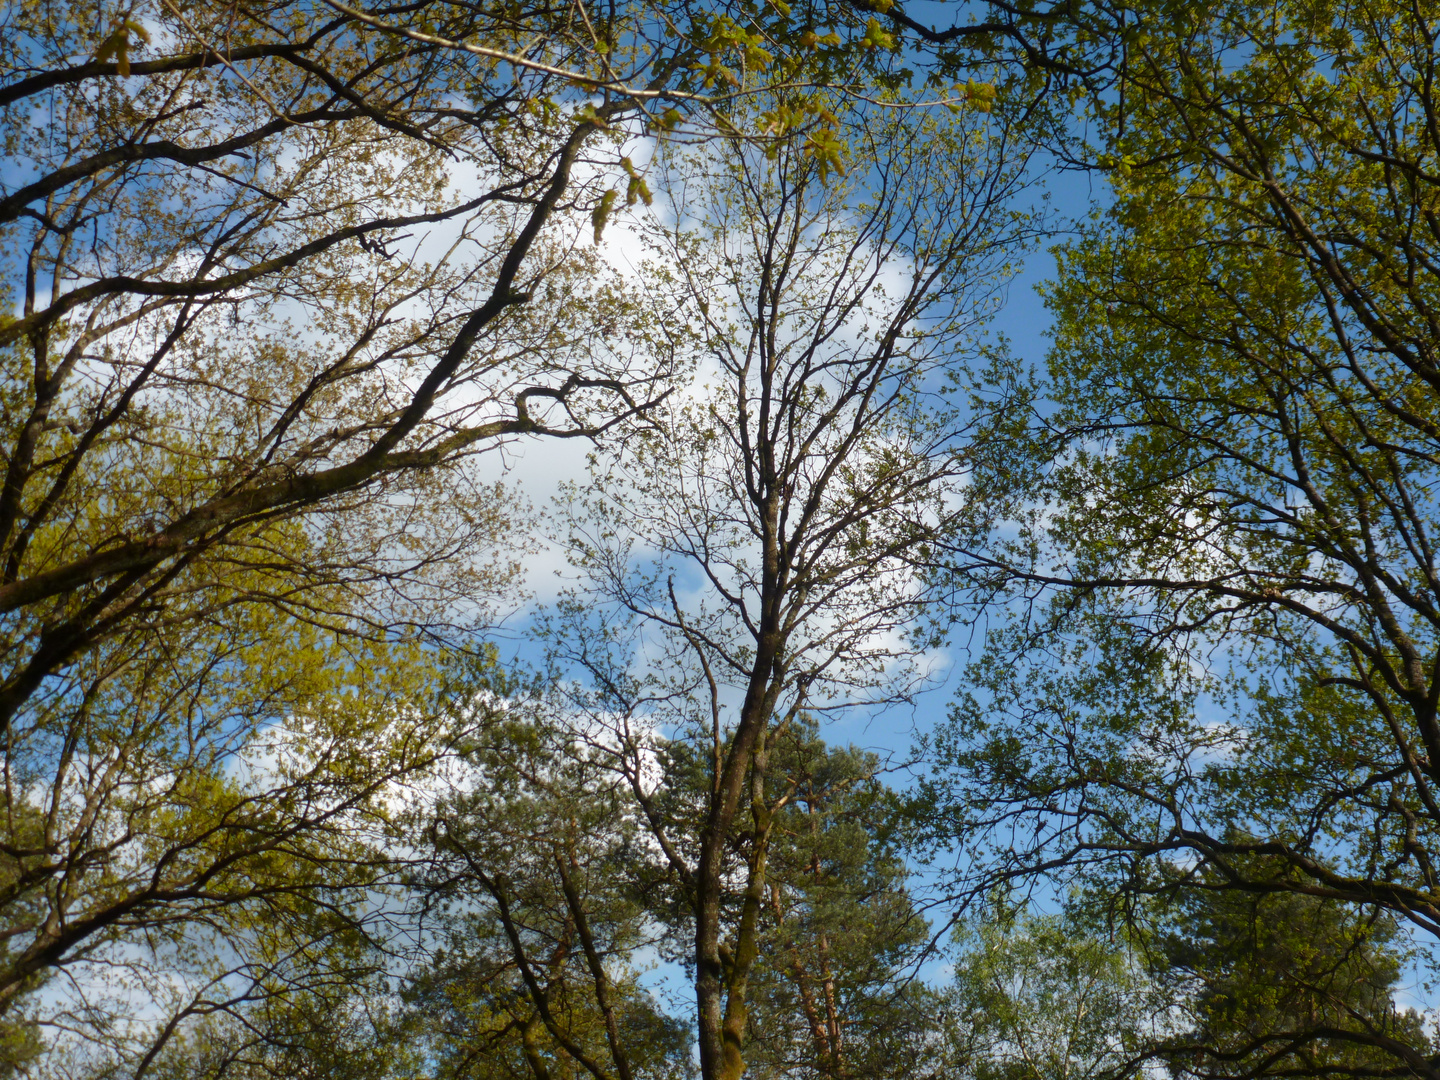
<point x="301" y="777"/>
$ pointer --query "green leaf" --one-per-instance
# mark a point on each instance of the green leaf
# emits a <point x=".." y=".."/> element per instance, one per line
<point x="876" y="36"/>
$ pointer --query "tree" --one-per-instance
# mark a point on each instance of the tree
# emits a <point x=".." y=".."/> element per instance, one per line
<point x="546" y="901"/>
<point x="832" y="432"/>
<point x="217" y="517"/>
<point x="838" y="993"/>
<point x="1279" y="983"/>
<point x="537" y="910"/>
<point x="1207" y="980"/>
<point x="1238" y="666"/>
<point x="756" y="553"/>
<point x="343" y="1028"/>
<point x="1042" y="997"/>
<point x="231" y="879"/>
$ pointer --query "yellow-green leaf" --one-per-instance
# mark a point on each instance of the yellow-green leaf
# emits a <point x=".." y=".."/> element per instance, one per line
<point x="601" y="213"/>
